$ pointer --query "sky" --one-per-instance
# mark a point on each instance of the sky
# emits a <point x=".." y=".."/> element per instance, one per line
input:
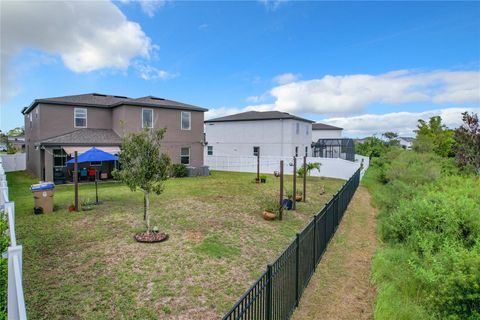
<point x="369" y="67"/>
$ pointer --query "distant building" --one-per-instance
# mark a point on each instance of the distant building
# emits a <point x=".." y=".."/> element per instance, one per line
<point x="270" y="133"/>
<point x="325" y="131"/>
<point x="18" y="142"/>
<point x="406" y="142"/>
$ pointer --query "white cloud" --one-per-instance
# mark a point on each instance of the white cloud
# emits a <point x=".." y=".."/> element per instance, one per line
<point x="203" y="27"/>
<point x="272" y="5"/>
<point x="148" y="72"/>
<point x="149" y="7"/>
<point x="401" y="122"/>
<point x="286" y="78"/>
<point x="352" y="93"/>
<point x="86" y="35"/>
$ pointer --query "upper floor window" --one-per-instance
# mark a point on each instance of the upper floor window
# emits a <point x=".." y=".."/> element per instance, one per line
<point x="80" y="118"/>
<point x="306" y="129"/>
<point x="30" y="117"/>
<point x="306" y="151"/>
<point x="210" y="150"/>
<point x="256" y="151"/>
<point x="147" y="118"/>
<point x="296" y="151"/>
<point x="186" y="120"/>
<point x="297" y="129"/>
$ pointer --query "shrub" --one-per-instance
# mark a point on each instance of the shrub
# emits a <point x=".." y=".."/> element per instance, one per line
<point x="179" y="170"/>
<point x="429" y="217"/>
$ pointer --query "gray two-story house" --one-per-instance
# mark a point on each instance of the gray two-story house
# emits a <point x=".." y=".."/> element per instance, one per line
<point x="57" y="127"/>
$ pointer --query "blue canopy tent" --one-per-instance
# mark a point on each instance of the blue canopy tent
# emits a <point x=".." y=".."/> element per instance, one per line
<point x="92" y="155"/>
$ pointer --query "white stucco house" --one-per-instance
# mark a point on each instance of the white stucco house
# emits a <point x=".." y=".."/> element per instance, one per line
<point x="406" y="142"/>
<point x="272" y="133"/>
<point x="325" y="131"/>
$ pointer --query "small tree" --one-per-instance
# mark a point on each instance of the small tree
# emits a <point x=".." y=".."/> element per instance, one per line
<point x="371" y="147"/>
<point x="434" y="136"/>
<point x="310" y="166"/>
<point x="467" y="138"/>
<point x="143" y="165"/>
<point x="392" y="138"/>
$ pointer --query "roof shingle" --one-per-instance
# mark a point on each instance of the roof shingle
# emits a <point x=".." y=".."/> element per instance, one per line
<point x="112" y="101"/>
<point x="323" y="126"/>
<point x="86" y="137"/>
<point x="257" y="115"/>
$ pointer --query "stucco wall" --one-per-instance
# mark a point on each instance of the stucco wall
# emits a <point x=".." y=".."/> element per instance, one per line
<point x="274" y="137"/>
<point x="129" y="119"/>
<point x="325" y="134"/>
<point x="56" y="120"/>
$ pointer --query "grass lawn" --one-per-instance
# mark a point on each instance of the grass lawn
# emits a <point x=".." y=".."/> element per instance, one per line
<point x="86" y="265"/>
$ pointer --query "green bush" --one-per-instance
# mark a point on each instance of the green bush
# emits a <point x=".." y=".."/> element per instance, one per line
<point x="4" y="241"/>
<point x="429" y="218"/>
<point x="179" y="170"/>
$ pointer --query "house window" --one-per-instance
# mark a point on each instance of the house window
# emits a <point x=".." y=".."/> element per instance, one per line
<point x="59" y="158"/>
<point x="36" y="112"/>
<point x="147" y="118"/>
<point x="256" y="151"/>
<point x="80" y="118"/>
<point x="306" y="151"/>
<point x="186" y="120"/>
<point x="297" y="129"/>
<point x="306" y="129"/>
<point x="296" y="151"/>
<point x="30" y="117"/>
<point x="185" y="155"/>
<point x="210" y="150"/>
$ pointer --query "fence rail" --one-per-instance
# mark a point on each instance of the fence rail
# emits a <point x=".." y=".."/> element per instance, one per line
<point x="276" y="294"/>
<point x="16" y="302"/>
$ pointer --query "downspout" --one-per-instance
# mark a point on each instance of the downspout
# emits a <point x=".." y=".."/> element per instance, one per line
<point x="281" y="138"/>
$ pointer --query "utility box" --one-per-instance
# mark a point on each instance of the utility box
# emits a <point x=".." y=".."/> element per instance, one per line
<point x="43" y="196"/>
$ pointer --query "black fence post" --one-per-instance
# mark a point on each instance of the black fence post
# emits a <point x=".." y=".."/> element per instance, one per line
<point x="314" y="242"/>
<point x="297" y="273"/>
<point x="268" y="309"/>
<point x="274" y="300"/>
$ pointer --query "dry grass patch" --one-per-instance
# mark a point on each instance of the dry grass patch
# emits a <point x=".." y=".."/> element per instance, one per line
<point x="87" y="265"/>
<point x="341" y="287"/>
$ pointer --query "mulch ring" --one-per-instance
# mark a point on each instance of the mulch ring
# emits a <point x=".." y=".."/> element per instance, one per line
<point x="151" y="237"/>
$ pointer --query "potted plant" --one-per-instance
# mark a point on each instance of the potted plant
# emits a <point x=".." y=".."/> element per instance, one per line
<point x="298" y="196"/>
<point x="271" y="208"/>
<point x="288" y="203"/>
<point x="263" y="178"/>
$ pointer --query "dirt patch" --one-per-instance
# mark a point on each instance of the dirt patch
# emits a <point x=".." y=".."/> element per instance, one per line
<point x="341" y="288"/>
<point x="194" y="236"/>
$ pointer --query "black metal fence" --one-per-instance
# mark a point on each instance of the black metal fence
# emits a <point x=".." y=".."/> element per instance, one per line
<point x="278" y="290"/>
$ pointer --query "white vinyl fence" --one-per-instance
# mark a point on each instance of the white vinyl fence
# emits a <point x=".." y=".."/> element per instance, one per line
<point x="16" y="301"/>
<point x="330" y="167"/>
<point x="14" y="162"/>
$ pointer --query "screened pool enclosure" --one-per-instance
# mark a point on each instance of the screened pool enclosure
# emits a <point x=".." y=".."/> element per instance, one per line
<point x="334" y="148"/>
